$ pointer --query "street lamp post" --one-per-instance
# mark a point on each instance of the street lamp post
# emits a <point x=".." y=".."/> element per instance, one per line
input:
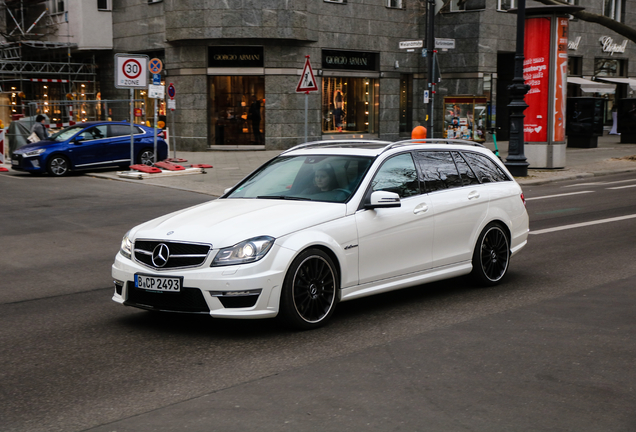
<point x="516" y="161"/>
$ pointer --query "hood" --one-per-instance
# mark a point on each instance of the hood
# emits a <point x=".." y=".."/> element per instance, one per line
<point x="226" y="222"/>
<point x="34" y="146"/>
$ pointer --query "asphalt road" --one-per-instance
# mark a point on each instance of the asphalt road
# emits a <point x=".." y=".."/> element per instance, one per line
<point x="552" y="348"/>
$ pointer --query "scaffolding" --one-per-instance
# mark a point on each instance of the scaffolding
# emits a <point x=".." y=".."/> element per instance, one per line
<point x="35" y="61"/>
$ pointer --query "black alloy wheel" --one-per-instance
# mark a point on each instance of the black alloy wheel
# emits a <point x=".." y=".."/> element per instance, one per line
<point x="58" y="166"/>
<point x="492" y="255"/>
<point x="310" y="290"/>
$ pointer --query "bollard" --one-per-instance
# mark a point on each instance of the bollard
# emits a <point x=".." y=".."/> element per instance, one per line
<point x="419" y="132"/>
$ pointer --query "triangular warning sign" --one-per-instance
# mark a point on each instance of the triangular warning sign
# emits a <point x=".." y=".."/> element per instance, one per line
<point x="307" y="81"/>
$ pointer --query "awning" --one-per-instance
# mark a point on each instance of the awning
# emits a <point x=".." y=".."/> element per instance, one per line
<point x="630" y="81"/>
<point x="589" y="86"/>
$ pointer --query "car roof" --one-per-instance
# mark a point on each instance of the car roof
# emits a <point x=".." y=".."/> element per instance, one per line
<point x="362" y="147"/>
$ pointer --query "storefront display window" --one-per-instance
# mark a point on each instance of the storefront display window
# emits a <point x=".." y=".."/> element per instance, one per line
<point x="349" y="105"/>
<point x="237" y="110"/>
<point x="465" y="118"/>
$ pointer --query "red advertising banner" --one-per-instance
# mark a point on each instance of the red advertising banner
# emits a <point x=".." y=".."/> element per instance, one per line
<point x="560" y="79"/>
<point x="536" y="68"/>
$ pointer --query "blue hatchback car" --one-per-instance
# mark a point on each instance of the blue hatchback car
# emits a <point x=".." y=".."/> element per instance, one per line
<point x="90" y="145"/>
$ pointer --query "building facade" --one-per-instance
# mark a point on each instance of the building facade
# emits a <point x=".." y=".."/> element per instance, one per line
<point x="236" y="64"/>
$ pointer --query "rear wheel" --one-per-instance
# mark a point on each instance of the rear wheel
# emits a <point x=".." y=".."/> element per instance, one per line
<point x="146" y="157"/>
<point x="309" y="294"/>
<point x="491" y="256"/>
<point x="58" y="166"/>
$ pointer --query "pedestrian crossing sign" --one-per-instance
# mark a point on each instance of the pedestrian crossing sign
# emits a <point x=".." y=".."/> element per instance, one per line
<point x="307" y="81"/>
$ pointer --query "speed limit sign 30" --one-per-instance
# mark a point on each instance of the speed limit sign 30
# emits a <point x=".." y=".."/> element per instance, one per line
<point x="131" y="71"/>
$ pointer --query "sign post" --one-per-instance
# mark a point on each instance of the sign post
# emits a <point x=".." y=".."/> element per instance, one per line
<point x="131" y="72"/>
<point x="155" y="90"/>
<point x="172" y="105"/>
<point x="307" y="84"/>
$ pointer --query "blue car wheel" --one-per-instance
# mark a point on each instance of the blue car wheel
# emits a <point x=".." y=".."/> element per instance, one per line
<point x="58" y="166"/>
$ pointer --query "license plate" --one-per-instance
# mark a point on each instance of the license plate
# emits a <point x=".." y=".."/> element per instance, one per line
<point x="15" y="162"/>
<point x="158" y="283"/>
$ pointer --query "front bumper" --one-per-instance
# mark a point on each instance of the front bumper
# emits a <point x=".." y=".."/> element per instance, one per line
<point x="29" y="164"/>
<point x="242" y="291"/>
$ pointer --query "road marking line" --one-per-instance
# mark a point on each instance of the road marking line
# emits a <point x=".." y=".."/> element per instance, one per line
<point x="583" y="224"/>
<point x="600" y="183"/>
<point x="623" y="187"/>
<point x="559" y="195"/>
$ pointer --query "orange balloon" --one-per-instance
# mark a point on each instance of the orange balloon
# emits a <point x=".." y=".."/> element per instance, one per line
<point x="419" y="132"/>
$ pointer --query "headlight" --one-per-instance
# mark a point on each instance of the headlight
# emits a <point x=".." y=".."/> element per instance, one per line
<point x="126" y="246"/>
<point x="245" y="252"/>
<point x="34" y="152"/>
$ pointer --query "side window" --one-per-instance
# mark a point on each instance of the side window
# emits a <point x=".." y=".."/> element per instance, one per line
<point x="96" y="132"/>
<point x="487" y="171"/>
<point x="120" y="130"/>
<point x="468" y="176"/>
<point x="398" y="175"/>
<point x="438" y="170"/>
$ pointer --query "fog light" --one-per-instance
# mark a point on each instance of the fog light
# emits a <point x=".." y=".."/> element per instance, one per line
<point x="119" y="286"/>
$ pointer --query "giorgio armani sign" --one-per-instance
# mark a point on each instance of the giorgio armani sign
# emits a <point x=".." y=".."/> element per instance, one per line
<point x="235" y="56"/>
<point x="351" y="60"/>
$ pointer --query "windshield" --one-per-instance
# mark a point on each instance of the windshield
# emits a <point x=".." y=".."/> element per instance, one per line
<point x="66" y="134"/>
<point x="310" y="178"/>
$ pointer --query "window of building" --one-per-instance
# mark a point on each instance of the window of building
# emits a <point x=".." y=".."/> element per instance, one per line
<point x="103" y="5"/>
<point x="504" y="5"/>
<point x="349" y="105"/>
<point x="614" y="9"/>
<point x="464" y="5"/>
<point x="395" y="4"/>
<point x="55" y="6"/>
<point x="335" y="1"/>
<point x="609" y="67"/>
<point x="154" y="1"/>
<point x="575" y="66"/>
<point x="406" y="103"/>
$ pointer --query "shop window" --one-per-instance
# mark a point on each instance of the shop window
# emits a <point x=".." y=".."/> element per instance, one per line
<point x="237" y="110"/>
<point x="465" y="118"/>
<point x="609" y="67"/>
<point x="464" y="5"/>
<point x="349" y="105"/>
<point x="406" y="103"/>
<point x="395" y="4"/>
<point x="103" y="5"/>
<point x="614" y="9"/>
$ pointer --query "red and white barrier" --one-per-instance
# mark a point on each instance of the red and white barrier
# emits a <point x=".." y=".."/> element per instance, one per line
<point x="2" y="146"/>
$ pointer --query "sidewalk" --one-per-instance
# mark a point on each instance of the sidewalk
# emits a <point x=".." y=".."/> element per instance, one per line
<point x="229" y="167"/>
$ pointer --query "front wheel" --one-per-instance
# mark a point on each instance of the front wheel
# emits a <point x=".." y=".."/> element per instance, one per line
<point x="58" y="166"/>
<point x="146" y="157"/>
<point x="491" y="256"/>
<point x="310" y="289"/>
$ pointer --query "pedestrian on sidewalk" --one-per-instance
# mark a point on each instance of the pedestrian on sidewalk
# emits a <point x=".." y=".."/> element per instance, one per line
<point x="39" y="129"/>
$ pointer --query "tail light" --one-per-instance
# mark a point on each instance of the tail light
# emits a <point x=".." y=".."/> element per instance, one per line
<point x="523" y="199"/>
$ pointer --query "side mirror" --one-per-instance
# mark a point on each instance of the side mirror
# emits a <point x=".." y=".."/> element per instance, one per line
<point x="383" y="199"/>
<point x="227" y="190"/>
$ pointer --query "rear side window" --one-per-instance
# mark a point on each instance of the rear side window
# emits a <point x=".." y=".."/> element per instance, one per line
<point x="121" y="130"/>
<point x="438" y="170"/>
<point x="398" y="175"/>
<point x="468" y="176"/>
<point x="486" y="170"/>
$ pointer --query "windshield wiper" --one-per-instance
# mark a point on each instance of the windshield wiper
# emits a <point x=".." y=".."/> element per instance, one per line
<point x="284" y="197"/>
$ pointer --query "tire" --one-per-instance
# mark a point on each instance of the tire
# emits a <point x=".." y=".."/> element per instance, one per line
<point x="491" y="257"/>
<point x="310" y="291"/>
<point x="58" y="166"/>
<point x="146" y="157"/>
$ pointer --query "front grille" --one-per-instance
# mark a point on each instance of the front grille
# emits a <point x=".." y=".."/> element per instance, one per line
<point x="187" y="300"/>
<point x="180" y="255"/>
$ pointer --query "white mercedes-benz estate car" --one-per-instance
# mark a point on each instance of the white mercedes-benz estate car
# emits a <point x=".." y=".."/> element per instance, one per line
<point x="327" y="222"/>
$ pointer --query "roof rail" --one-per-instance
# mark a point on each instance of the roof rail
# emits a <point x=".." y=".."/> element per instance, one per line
<point x="431" y="141"/>
<point x="337" y="143"/>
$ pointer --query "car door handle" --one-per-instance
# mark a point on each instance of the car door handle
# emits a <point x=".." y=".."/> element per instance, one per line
<point x="420" y="208"/>
<point x="473" y="195"/>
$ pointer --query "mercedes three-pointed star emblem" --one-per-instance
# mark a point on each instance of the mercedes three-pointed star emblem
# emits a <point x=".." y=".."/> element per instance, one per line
<point x="160" y="255"/>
